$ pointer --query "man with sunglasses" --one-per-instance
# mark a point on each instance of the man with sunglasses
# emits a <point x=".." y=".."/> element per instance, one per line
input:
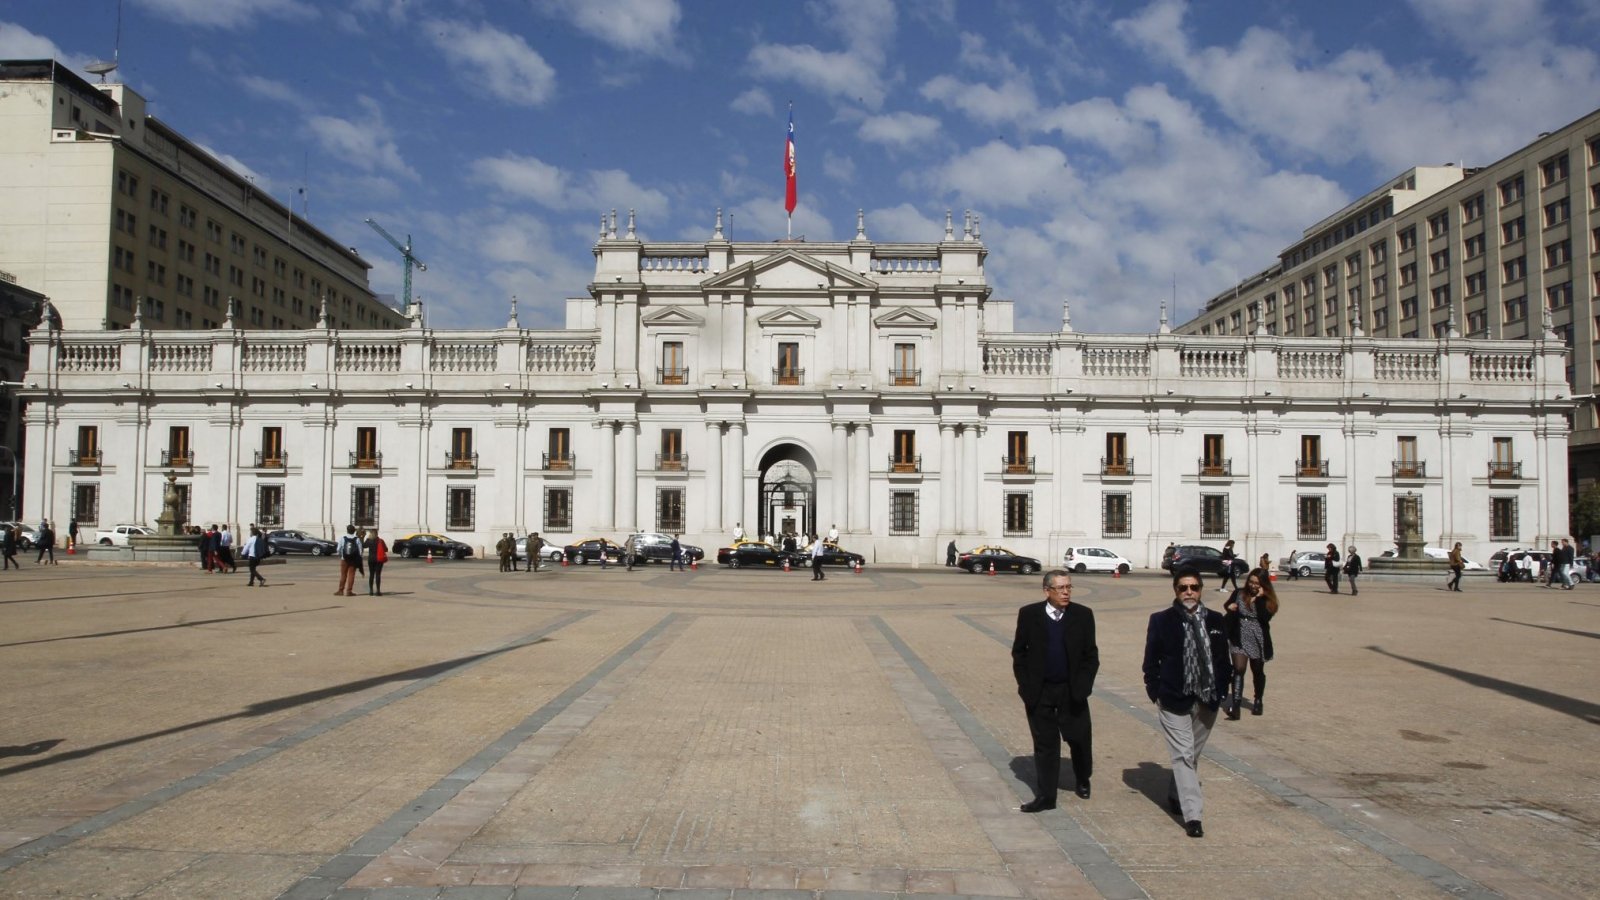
<point x="1185" y="667"/>
<point x="1055" y="658"/>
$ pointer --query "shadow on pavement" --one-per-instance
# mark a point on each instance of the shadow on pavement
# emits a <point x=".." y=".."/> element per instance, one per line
<point x="32" y="749"/>
<point x="1151" y="780"/>
<point x="275" y="705"/>
<point x="1587" y="634"/>
<point x="100" y="634"/>
<point x="1571" y="706"/>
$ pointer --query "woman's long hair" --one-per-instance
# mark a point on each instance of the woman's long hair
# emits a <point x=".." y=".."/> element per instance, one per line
<point x="1268" y="592"/>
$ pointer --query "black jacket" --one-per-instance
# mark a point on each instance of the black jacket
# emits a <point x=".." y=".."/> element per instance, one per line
<point x="1231" y="623"/>
<point x="1029" y="651"/>
<point x="1163" y="658"/>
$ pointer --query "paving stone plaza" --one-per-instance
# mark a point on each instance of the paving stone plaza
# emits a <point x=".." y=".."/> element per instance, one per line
<point x="607" y="735"/>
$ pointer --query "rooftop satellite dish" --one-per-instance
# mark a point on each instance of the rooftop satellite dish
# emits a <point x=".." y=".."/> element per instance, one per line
<point x="101" y="68"/>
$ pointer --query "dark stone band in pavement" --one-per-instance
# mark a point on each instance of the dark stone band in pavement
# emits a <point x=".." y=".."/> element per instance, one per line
<point x="1440" y="875"/>
<point x="1109" y="878"/>
<point x="326" y="881"/>
<point x="63" y="837"/>
<point x="498" y="892"/>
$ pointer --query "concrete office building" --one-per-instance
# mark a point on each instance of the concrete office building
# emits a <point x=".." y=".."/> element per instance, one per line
<point x="20" y="310"/>
<point x="1480" y="252"/>
<point x="794" y="386"/>
<point x="104" y="207"/>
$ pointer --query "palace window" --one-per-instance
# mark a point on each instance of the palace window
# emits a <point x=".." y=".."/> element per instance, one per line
<point x="88" y="445"/>
<point x="902" y="512"/>
<point x="1017" y="458"/>
<point x="1405" y="457"/>
<point x="86" y="503"/>
<point x="366" y="453"/>
<point x="1214" y="515"/>
<point x="1311" y="464"/>
<point x="364" y="507"/>
<point x="905" y="457"/>
<point x="1116" y="461"/>
<point x="461" y="454"/>
<point x="673" y="370"/>
<point x="789" y="371"/>
<point x="269" y="505"/>
<point x="178" y="450"/>
<point x="271" y="455"/>
<point x="672" y="455"/>
<point x="669" y="510"/>
<point x="558" y="509"/>
<point x="1212" y="455"/>
<point x="559" y="452"/>
<point x="1502" y="518"/>
<point x="1311" y="520"/>
<point x="905" y="371"/>
<point x="458" y="506"/>
<point x="1019" y="514"/>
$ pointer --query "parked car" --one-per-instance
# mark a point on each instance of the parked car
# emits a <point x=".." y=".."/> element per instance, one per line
<point x="1437" y="553"/>
<point x="588" y="550"/>
<point x="832" y="555"/>
<point x="285" y="541"/>
<point x="656" y="546"/>
<point x="27" y="535"/>
<point x="980" y="560"/>
<point x="1200" y="558"/>
<point x="552" y="551"/>
<point x="414" y="545"/>
<point x="1541" y="561"/>
<point x="755" y="553"/>
<point x="1303" y="562"/>
<point x="117" y="535"/>
<point x="1095" y="559"/>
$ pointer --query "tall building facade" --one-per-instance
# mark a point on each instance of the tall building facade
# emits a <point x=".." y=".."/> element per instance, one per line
<point x="1480" y="252"/>
<point x="20" y="312"/>
<point x="113" y="214"/>
<point x="876" y="388"/>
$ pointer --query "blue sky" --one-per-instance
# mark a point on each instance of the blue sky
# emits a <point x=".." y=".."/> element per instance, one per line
<point x="1110" y="148"/>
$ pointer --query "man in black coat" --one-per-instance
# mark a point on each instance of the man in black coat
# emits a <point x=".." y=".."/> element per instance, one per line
<point x="1055" y="658"/>
<point x="1185" y="667"/>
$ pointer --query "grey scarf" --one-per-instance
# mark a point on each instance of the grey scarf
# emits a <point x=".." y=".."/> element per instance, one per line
<point x="1198" y="679"/>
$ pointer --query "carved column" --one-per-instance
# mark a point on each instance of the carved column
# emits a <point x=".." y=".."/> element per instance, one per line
<point x="605" y="475"/>
<point x="733" y="466"/>
<point x="838" y="480"/>
<point x="860" y="482"/>
<point x="628" y="477"/>
<point x="970" y="478"/>
<point x="949" y="478"/>
<point x="713" y="478"/>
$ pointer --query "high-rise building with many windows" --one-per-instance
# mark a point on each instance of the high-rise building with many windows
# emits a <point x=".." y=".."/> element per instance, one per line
<point x="1445" y="250"/>
<point x="104" y="208"/>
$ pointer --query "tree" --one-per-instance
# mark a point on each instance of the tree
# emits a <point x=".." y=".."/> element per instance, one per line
<point x="1585" y="514"/>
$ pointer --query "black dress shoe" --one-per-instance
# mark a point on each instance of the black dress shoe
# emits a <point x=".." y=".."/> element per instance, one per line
<point x="1083" y="790"/>
<point x="1193" y="829"/>
<point x="1038" y="805"/>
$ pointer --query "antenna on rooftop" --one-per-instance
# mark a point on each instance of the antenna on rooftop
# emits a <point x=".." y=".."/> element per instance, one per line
<point x="106" y="67"/>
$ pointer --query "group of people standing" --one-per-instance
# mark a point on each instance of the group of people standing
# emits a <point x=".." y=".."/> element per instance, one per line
<point x="355" y="549"/>
<point x="1194" y="664"/>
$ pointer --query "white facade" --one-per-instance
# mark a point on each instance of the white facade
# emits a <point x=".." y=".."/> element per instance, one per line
<point x="871" y="387"/>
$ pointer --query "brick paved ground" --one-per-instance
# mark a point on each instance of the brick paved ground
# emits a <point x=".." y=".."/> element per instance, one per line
<point x="605" y="734"/>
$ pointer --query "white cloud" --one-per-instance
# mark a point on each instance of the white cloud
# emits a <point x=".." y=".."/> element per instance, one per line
<point x="261" y="182"/>
<point x="227" y="13"/>
<point x="832" y="73"/>
<point x="753" y="102"/>
<point x="838" y="168"/>
<point x="899" y="129"/>
<point x="555" y="188"/>
<point x="367" y="145"/>
<point x="903" y="223"/>
<point x="276" y="91"/>
<point x="997" y="174"/>
<point x="1010" y="101"/>
<point x="637" y="26"/>
<point x="498" y="62"/>
<point x="17" y="42"/>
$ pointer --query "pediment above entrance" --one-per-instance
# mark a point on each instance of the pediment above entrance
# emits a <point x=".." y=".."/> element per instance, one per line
<point x="789" y="270"/>
<point x="904" y="317"/>
<point x="672" y="316"/>
<point x="789" y="317"/>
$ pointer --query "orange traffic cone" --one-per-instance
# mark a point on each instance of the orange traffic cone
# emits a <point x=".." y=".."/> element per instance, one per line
<point x="1116" y="573"/>
<point x="991" y="568"/>
<point x="692" y="566"/>
<point x="72" y="549"/>
<point x="786" y="563"/>
<point x="430" y="557"/>
<point x="565" y="561"/>
<point x="858" y="567"/>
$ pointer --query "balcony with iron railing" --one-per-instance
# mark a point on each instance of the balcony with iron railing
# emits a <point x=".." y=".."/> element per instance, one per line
<point x="1410" y="468"/>
<point x="461" y="460"/>
<point x="559" y="462"/>
<point x="177" y="459"/>
<point x="1311" y="468"/>
<point x="672" y="462"/>
<point x="1213" y="467"/>
<point x="904" y="464"/>
<point x="84" y="460"/>
<point x="365" y="460"/>
<point x="1504" y="468"/>
<point x="275" y="460"/>
<point x="905" y="377"/>
<point x="671" y="375"/>
<point x="1117" y="465"/>
<point x="783" y="375"/>
<point x="1016" y="465"/>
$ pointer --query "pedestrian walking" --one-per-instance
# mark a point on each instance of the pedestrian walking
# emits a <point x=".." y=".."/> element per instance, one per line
<point x="677" y="555"/>
<point x="1330" y="568"/>
<point x="1185" y="653"/>
<point x="254" y="548"/>
<point x="72" y="534"/>
<point x="1294" y="566"/>
<point x="47" y="543"/>
<point x="1230" y="579"/>
<point x="950" y="554"/>
<point x="1246" y="618"/>
<point x="818" y="549"/>
<point x="1352" y="569"/>
<point x="349" y="562"/>
<point x="1457" y="564"/>
<point x="377" y="555"/>
<point x="1055" y="658"/>
<point x="1265" y="562"/>
<point x="225" y="550"/>
<point x="8" y="547"/>
<point x="1569" y="568"/>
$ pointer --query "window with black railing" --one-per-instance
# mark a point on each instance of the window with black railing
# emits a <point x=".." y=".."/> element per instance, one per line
<point x="271" y="455"/>
<point x="1410" y="468"/>
<point x="360" y="461"/>
<point x="905" y="458"/>
<point x="86" y="503"/>
<point x="1502" y="518"/>
<point x="904" y="372"/>
<point x="788" y="376"/>
<point x="364" y="506"/>
<point x="902" y="512"/>
<point x="174" y="459"/>
<point x="1311" y="517"/>
<point x="1504" y="468"/>
<point x="1311" y="468"/>
<point x="559" y="463"/>
<point x="905" y="377"/>
<point x="459" y="508"/>
<point x="557" y="509"/>
<point x="672" y="462"/>
<point x="678" y="375"/>
<point x="1019" y="514"/>
<point x="788" y="370"/>
<point x="1116" y="514"/>
<point x="1116" y="465"/>
<point x="1215" y="467"/>
<point x="672" y="369"/>
<point x="1214" y="515"/>
<point x="1016" y="465"/>
<point x="669" y="510"/>
<point x="269" y="505"/>
<point x="178" y="452"/>
<point x="88" y="452"/>
<point x="275" y="460"/>
<point x="457" y="460"/>
<point x="366" y="455"/>
<point x="558" y="455"/>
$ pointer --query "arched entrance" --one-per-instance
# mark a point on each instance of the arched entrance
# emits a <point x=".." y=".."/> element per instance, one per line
<point x="788" y="492"/>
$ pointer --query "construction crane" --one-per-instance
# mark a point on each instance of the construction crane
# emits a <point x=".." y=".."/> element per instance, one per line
<point x="405" y="254"/>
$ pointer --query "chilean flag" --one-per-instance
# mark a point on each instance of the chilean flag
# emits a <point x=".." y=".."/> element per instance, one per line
<point x="788" y="167"/>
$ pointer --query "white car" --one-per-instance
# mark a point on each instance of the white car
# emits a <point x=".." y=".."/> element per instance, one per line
<point x="117" y="535"/>
<point x="1095" y="559"/>
<point x="1436" y="553"/>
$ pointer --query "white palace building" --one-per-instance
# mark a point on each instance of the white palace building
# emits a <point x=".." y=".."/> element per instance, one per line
<point x="795" y="386"/>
